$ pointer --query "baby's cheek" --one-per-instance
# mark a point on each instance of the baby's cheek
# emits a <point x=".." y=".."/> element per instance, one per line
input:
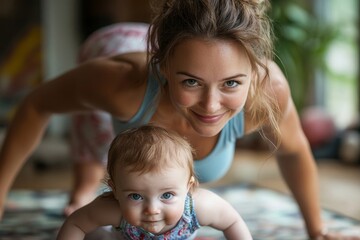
<point x="131" y="216"/>
<point x="173" y="215"/>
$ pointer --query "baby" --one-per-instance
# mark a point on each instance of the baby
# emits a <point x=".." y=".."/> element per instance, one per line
<point x="154" y="193"/>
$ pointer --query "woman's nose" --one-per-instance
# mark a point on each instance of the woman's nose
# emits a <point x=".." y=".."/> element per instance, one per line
<point x="211" y="101"/>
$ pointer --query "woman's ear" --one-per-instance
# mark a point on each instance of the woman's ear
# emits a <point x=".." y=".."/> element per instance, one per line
<point x="164" y="72"/>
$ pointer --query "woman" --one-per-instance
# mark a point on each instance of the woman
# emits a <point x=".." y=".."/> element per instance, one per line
<point x="207" y="76"/>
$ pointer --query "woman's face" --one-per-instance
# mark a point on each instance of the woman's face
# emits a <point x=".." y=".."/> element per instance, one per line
<point x="208" y="82"/>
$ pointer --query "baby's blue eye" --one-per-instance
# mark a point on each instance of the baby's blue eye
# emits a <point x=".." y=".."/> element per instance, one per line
<point x="167" y="196"/>
<point x="135" y="196"/>
<point x="231" y="83"/>
<point x="190" y="82"/>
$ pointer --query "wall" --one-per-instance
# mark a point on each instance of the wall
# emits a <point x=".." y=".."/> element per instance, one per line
<point x="61" y="44"/>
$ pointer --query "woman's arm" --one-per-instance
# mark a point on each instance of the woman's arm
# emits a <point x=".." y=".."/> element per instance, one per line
<point x="294" y="156"/>
<point x="103" y="84"/>
<point x="211" y="210"/>
<point x="103" y="211"/>
<point x="299" y="170"/>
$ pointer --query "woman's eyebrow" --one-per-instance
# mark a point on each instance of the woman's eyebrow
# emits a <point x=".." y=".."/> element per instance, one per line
<point x="188" y="74"/>
<point x="227" y="78"/>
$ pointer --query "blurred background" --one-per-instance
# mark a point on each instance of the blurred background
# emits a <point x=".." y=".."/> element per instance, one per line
<point x="316" y="45"/>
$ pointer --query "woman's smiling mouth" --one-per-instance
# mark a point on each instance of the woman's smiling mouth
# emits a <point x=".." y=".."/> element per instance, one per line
<point x="209" y="118"/>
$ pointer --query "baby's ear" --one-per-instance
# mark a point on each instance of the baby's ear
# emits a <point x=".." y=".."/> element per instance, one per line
<point x="192" y="183"/>
<point x="111" y="184"/>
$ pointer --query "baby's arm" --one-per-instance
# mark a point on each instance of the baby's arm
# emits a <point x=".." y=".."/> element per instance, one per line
<point x="103" y="211"/>
<point x="213" y="211"/>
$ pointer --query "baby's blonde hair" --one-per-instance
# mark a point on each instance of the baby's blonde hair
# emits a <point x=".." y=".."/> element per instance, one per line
<point x="149" y="148"/>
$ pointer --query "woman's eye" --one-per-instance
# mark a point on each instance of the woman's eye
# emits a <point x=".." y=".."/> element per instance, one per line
<point x="231" y="83"/>
<point x="135" y="196"/>
<point x="167" y="196"/>
<point x="190" y="82"/>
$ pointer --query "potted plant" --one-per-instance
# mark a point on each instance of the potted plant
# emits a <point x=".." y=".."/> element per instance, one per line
<point x="301" y="42"/>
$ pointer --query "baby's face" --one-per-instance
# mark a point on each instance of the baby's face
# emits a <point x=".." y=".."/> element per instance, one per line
<point x="153" y="201"/>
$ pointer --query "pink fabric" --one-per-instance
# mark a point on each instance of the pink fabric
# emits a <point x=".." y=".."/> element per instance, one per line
<point x="115" y="39"/>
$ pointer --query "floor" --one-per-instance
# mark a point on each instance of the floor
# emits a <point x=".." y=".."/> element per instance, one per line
<point x="50" y="168"/>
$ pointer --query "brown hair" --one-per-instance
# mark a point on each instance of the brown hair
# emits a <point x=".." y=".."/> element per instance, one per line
<point x="149" y="148"/>
<point x="244" y="21"/>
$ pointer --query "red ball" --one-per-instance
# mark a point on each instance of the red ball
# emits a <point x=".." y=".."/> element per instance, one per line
<point x="318" y="126"/>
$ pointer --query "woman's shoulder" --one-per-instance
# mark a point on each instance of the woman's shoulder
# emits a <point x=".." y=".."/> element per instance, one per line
<point x="129" y="66"/>
<point x="117" y="83"/>
<point x="117" y="74"/>
<point x="136" y="59"/>
<point x="278" y="86"/>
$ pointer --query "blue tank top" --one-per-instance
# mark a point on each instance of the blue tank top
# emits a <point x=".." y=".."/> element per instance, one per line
<point x="216" y="164"/>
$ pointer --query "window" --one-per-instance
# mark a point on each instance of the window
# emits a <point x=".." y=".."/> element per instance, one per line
<point x="341" y="78"/>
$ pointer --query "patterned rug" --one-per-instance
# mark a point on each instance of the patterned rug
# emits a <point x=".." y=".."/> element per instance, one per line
<point x="268" y="214"/>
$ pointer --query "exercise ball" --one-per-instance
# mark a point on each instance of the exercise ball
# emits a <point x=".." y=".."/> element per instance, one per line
<point x="318" y="126"/>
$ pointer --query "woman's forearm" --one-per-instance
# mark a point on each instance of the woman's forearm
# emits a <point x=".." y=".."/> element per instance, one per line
<point x="23" y="136"/>
<point x="300" y="174"/>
